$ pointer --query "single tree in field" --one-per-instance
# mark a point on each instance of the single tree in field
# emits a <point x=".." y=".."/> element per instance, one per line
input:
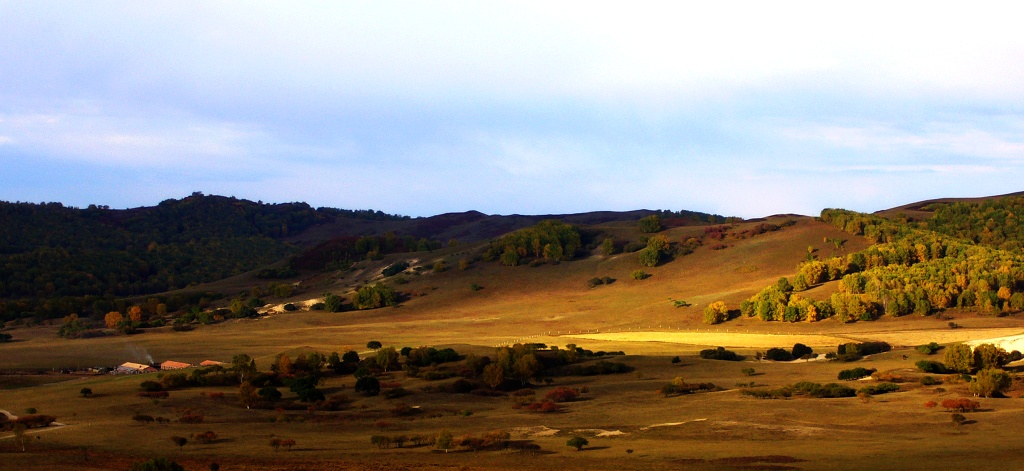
<point x="135" y="314"/>
<point x="112" y="319"/>
<point x="244" y="366"/>
<point x="180" y="442"/>
<point x="716" y="312"/>
<point x="85" y="392"/>
<point x="247" y="394"/>
<point x="444" y="441"/>
<point x="959" y="358"/>
<point x="608" y="246"/>
<point x="374" y="345"/>
<point x="990" y="382"/>
<point x="577" y="442"/>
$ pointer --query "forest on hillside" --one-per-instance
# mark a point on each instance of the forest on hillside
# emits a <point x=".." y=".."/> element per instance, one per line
<point x="967" y="256"/>
<point x="56" y="260"/>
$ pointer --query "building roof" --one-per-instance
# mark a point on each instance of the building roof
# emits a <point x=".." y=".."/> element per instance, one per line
<point x="212" y="363"/>
<point x="174" y="365"/>
<point x="134" y="366"/>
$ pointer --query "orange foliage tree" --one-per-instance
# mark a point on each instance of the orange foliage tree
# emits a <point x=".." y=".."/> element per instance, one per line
<point x="112" y="319"/>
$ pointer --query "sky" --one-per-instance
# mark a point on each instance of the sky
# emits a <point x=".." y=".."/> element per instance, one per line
<point x="425" y="107"/>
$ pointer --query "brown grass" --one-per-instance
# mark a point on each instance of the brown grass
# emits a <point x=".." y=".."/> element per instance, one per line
<point x="718" y="430"/>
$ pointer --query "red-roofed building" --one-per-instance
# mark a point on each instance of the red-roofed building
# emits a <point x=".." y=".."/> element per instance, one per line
<point x="174" y="365"/>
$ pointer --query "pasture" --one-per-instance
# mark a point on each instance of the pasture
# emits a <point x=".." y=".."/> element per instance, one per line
<point x="629" y="426"/>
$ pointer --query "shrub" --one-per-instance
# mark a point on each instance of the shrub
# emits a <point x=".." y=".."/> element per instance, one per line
<point x="931" y="367"/>
<point x="151" y="386"/>
<point x="649" y="256"/>
<point x="146" y="419"/>
<point x="778" y="354"/>
<point x="191" y="418"/>
<point x="929" y="381"/>
<point x="154" y="394"/>
<point x="719" y="353"/>
<point x="157" y="464"/>
<point x="374" y="296"/>
<point x="958" y="419"/>
<point x="206" y="437"/>
<point x="855" y="373"/>
<point x="395" y="393"/>
<point x="290" y="307"/>
<point x="830" y="390"/>
<point x="781" y="393"/>
<point x="880" y="388"/>
<point x="562" y="394"/>
<point x="929" y="349"/>
<point x="747" y="371"/>
<point x="961" y="405"/>
<point x="593" y="282"/>
<point x="650" y="224"/>
<point x="368" y="385"/>
<point x="546" y="406"/>
<point x="678" y="387"/>
<point x="676" y="359"/>
<point x="716" y="312"/>
<point x="639" y="275"/>
<point x="800" y="350"/>
<point x="577" y="442"/>
<point x="395" y="268"/>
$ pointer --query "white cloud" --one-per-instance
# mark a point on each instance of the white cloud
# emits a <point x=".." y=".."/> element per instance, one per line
<point x="106" y="138"/>
<point x="937" y="139"/>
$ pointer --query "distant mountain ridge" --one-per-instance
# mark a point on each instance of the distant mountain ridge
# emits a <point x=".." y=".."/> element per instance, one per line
<point x="56" y="259"/>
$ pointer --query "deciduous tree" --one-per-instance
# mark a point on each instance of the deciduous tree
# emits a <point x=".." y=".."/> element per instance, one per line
<point x="112" y="319"/>
<point x="247" y="394"/>
<point x="577" y="442"/>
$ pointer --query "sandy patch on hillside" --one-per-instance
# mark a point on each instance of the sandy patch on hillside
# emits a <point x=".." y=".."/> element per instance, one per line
<point x="1009" y="343"/>
<point x="672" y="424"/>
<point x="723" y="339"/>
<point x="538" y="431"/>
<point x="942" y="335"/>
<point x="596" y="432"/>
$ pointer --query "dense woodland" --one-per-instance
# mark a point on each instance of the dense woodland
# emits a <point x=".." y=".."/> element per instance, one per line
<point x="968" y="256"/>
<point x="56" y="260"/>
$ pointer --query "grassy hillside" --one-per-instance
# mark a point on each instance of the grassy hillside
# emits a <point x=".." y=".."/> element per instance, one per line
<point x="453" y="296"/>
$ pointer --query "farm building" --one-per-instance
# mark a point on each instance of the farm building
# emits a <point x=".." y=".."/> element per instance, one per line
<point x="129" y="368"/>
<point x="212" y="363"/>
<point x="174" y="365"/>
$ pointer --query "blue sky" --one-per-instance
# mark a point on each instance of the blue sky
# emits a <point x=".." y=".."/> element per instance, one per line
<point x="420" y="108"/>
